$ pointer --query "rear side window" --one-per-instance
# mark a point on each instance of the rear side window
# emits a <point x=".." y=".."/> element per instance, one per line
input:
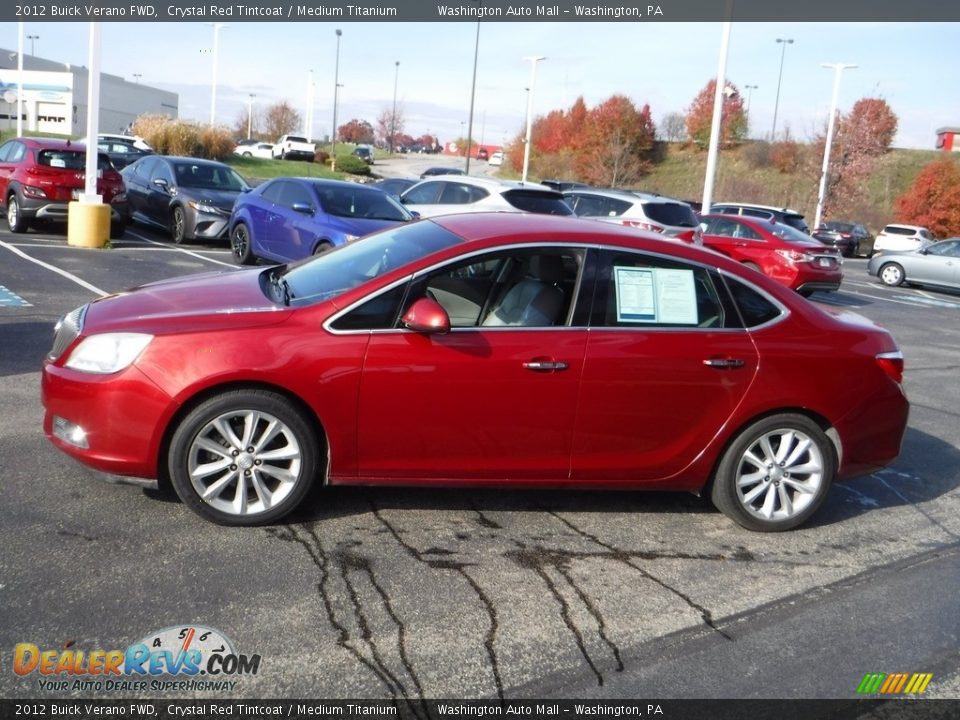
<point x="755" y="309"/>
<point x="538" y="201"/>
<point x="675" y="214"/>
<point x="894" y="230"/>
<point x="455" y="193"/>
<point x="796" y="221"/>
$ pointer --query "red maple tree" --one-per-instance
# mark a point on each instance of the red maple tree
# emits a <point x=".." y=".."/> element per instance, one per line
<point x="933" y="200"/>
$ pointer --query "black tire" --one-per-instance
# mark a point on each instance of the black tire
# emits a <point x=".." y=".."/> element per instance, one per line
<point x="322" y="247"/>
<point x="117" y="229"/>
<point x="243" y="486"/>
<point x="806" y="293"/>
<point x="178" y="225"/>
<point x="15" y="219"/>
<point x="240" y="245"/>
<point x="247" y="154"/>
<point x="775" y="474"/>
<point x="891" y="274"/>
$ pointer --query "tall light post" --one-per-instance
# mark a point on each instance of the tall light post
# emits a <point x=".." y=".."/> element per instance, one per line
<point x="393" y="115"/>
<point x="838" y="68"/>
<point x="722" y="91"/>
<point x="336" y="93"/>
<point x="31" y="38"/>
<point x="473" y="95"/>
<point x="783" y="51"/>
<point x="19" y="79"/>
<point x="749" y="89"/>
<point x="136" y="77"/>
<point x="216" y="49"/>
<point x="308" y="111"/>
<point x="250" y="98"/>
<point x="526" y="142"/>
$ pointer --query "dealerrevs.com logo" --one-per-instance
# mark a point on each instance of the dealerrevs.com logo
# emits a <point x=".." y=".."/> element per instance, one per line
<point x="186" y="657"/>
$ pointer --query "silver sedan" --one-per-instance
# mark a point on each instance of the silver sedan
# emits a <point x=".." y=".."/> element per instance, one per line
<point x="937" y="264"/>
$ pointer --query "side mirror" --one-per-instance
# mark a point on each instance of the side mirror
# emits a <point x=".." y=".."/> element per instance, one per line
<point x="415" y="215"/>
<point x="161" y="183"/>
<point x="427" y="316"/>
<point x="304" y="208"/>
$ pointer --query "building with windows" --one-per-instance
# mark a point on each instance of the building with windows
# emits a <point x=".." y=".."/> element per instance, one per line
<point x="55" y="98"/>
<point x="947" y="139"/>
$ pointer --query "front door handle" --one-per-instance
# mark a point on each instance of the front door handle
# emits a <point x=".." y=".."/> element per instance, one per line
<point x="724" y="363"/>
<point x="544" y="365"/>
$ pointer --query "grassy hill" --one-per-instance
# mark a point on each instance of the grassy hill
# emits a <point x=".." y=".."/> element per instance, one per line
<point x="741" y="177"/>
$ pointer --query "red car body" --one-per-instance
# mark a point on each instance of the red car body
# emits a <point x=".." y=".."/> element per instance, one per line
<point x="587" y="402"/>
<point x="778" y="250"/>
<point x="40" y="176"/>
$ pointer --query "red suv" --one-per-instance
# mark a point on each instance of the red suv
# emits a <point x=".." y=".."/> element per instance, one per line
<point x="40" y="176"/>
<point x="776" y="249"/>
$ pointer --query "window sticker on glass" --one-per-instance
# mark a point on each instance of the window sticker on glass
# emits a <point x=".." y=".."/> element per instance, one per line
<point x="655" y="295"/>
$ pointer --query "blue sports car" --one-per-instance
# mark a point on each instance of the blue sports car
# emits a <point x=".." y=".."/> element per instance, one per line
<point x="287" y="219"/>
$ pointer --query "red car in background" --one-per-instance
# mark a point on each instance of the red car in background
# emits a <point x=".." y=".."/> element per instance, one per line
<point x="40" y="176"/>
<point x="780" y="251"/>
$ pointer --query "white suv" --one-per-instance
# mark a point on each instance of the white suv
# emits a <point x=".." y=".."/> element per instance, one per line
<point x="646" y="211"/>
<point x="902" y="237"/>
<point x="448" y="194"/>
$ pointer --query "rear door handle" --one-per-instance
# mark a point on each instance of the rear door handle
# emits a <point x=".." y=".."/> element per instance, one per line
<point x="544" y="365"/>
<point x="724" y="363"/>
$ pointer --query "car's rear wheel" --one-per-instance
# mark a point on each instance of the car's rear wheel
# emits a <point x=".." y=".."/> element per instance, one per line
<point x="244" y="457"/>
<point x="178" y="225"/>
<point x="15" y="219"/>
<point x="322" y="247"/>
<point x="240" y="245"/>
<point x="775" y="474"/>
<point x="891" y="274"/>
<point x="117" y="229"/>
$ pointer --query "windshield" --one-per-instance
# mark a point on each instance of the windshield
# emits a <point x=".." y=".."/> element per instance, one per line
<point x="350" y="265"/>
<point x="675" y="214"/>
<point x="361" y="202"/>
<point x="71" y="159"/>
<point x="208" y="177"/>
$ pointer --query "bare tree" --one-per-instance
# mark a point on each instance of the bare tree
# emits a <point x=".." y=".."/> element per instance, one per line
<point x="280" y="119"/>
<point x="673" y="127"/>
<point x="390" y="125"/>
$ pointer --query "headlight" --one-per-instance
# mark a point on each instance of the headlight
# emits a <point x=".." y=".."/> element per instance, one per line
<point x="208" y="209"/>
<point x="350" y="238"/>
<point x="107" y="353"/>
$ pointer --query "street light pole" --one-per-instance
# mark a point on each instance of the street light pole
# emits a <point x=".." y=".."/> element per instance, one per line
<point x="838" y="69"/>
<point x="216" y="48"/>
<point x="250" y="98"/>
<point x="393" y="115"/>
<point x="720" y="94"/>
<point x="136" y="77"/>
<point x="31" y="38"/>
<point x="749" y="89"/>
<point x="336" y="92"/>
<point x="473" y="94"/>
<point x="526" y="142"/>
<point x="776" y="104"/>
<point x="308" y="111"/>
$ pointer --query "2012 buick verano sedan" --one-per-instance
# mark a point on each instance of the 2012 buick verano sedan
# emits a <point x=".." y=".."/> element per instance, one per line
<point x="488" y="350"/>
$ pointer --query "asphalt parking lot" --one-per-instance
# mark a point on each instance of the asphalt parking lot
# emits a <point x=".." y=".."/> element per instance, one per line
<point x="375" y="593"/>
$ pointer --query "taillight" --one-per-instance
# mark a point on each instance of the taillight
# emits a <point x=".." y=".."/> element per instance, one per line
<point x="642" y="225"/>
<point x="794" y="255"/>
<point x="892" y="364"/>
<point x="846" y="236"/>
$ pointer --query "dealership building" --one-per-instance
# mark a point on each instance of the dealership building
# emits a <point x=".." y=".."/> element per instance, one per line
<point x="55" y="98"/>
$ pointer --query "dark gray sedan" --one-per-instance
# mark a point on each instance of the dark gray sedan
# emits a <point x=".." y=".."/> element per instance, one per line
<point x="937" y="265"/>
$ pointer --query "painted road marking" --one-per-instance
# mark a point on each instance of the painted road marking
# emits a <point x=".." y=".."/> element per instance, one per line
<point x="70" y="276"/>
<point x="179" y="249"/>
<point x="8" y="298"/>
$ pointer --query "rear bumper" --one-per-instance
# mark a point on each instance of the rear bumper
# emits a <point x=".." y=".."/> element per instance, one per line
<point x="59" y="211"/>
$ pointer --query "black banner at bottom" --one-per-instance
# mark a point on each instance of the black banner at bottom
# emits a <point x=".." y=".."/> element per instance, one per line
<point x="865" y="709"/>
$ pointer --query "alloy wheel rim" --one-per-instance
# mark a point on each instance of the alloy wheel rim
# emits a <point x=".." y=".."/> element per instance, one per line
<point x="239" y="242"/>
<point x="779" y="475"/>
<point x="178" y="224"/>
<point x="244" y="462"/>
<point x="13" y="212"/>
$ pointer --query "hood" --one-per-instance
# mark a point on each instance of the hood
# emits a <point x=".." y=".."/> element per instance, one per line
<point x="363" y="226"/>
<point x="222" y="199"/>
<point x="192" y="303"/>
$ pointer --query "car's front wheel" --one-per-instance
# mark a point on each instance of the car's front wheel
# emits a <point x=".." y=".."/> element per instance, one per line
<point x="240" y="245"/>
<point x="891" y="274"/>
<point x="775" y="474"/>
<point x="178" y="225"/>
<point x="322" y="247"/>
<point x="244" y="457"/>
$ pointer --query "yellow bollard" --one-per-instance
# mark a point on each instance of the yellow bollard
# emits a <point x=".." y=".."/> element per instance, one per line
<point x="88" y="224"/>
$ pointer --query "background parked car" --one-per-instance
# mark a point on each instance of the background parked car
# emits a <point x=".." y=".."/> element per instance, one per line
<point x="496" y="159"/>
<point x="294" y="147"/>
<point x="255" y="149"/>
<point x="288" y="219"/>
<point x="135" y="140"/>
<point x="365" y="153"/>
<point x="395" y="186"/>
<point x="188" y="197"/>
<point x="766" y="212"/>
<point x="778" y="250"/>
<point x="902" y="237"/>
<point x="644" y="211"/>
<point x="430" y="172"/>
<point x="937" y="264"/>
<point x="40" y="176"/>
<point x="483" y="154"/>
<point x="851" y="239"/>
<point x="463" y="193"/>
<point x="122" y="152"/>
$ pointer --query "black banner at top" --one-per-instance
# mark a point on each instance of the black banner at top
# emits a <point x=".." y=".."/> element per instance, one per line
<point x="346" y="11"/>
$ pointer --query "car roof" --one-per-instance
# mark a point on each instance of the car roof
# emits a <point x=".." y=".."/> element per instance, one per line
<point x="191" y="160"/>
<point x="772" y="208"/>
<point x="50" y="143"/>
<point x="490" y="183"/>
<point x="624" y="194"/>
<point x="908" y="227"/>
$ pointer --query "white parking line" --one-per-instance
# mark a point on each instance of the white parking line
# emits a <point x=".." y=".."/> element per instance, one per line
<point x="70" y="276"/>
<point x="180" y="249"/>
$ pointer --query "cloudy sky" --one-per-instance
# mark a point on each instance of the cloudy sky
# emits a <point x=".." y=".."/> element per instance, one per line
<point x="913" y="66"/>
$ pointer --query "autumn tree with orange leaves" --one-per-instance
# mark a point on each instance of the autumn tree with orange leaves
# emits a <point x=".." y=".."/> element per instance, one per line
<point x="933" y="200"/>
<point x="733" y="119"/>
